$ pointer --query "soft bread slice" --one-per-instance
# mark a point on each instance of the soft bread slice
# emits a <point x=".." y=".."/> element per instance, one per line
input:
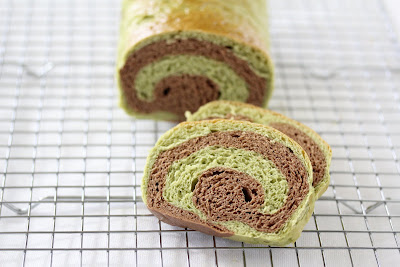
<point x="317" y="149"/>
<point x="239" y="180"/>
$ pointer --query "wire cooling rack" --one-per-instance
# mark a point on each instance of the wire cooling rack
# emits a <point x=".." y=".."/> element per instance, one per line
<point x="71" y="161"/>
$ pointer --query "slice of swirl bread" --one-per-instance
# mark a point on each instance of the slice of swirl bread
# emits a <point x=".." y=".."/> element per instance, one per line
<point x="234" y="179"/>
<point x="317" y="149"/>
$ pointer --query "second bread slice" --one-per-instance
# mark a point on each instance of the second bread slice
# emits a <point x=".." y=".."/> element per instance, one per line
<point x="318" y="150"/>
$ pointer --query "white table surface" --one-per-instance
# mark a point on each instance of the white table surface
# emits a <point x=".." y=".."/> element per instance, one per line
<point x="393" y="8"/>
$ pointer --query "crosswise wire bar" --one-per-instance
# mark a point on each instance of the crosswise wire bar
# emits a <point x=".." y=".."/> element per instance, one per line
<point x="82" y="199"/>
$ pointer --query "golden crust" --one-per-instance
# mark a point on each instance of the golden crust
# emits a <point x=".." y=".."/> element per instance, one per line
<point x="240" y="20"/>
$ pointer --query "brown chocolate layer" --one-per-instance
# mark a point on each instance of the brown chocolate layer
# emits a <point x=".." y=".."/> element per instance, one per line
<point x="196" y="90"/>
<point x="291" y="167"/>
<point x="224" y="194"/>
<point x="315" y="154"/>
<point x="156" y="51"/>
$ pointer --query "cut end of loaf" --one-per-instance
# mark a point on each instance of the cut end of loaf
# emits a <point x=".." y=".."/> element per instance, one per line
<point x="165" y="75"/>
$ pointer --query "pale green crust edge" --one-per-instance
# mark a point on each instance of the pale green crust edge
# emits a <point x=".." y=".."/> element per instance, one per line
<point x="263" y="116"/>
<point x="123" y="54"/>
<point x="293" y="227"/>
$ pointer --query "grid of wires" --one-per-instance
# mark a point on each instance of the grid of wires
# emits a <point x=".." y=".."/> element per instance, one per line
<point x="71" y="161"/>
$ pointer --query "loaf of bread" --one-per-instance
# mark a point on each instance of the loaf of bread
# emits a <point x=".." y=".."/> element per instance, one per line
<point x="175" y="56"/>
<point x="317" y="149"/>
<point x="234" y="179"/>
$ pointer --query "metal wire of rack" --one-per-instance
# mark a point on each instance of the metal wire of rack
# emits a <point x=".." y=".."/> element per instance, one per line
<point x="71" y="161"/>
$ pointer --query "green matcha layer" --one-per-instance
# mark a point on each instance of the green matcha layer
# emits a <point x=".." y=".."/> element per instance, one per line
<point x="175" y="56"/>
<point x="317" y="149"/>
<point x="233" y="179"/>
